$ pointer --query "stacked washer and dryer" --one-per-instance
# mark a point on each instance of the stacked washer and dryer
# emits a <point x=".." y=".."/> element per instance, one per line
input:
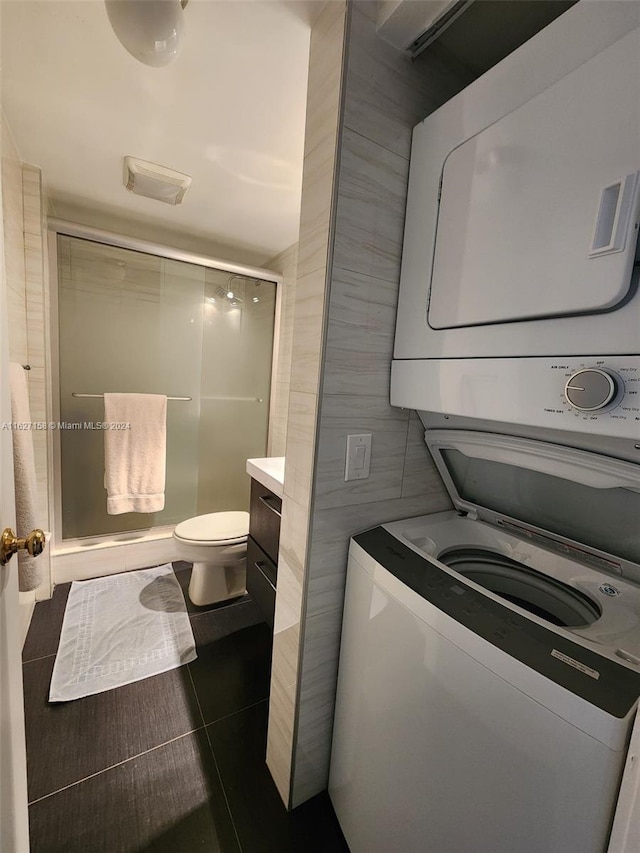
<point x="490" y="661"/>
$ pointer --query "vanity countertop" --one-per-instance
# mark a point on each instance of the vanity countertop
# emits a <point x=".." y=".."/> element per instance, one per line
<point x="269" y="472"/>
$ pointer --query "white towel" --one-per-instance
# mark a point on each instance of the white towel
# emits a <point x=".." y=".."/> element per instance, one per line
<point x="30" y="571"/>
<point x="135" y="456"/>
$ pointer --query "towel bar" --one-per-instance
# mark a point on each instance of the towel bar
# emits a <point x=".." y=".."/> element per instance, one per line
<point x="98" y="396"/>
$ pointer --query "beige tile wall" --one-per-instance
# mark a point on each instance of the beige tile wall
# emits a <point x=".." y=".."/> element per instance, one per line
<point x="35" y="255"/>
<point x="351" y="235"/>
<point x="323" y="111"/>
<point x="286" y="263"/>
<point x="25" y="253"/>
<point x="385" y="96"/>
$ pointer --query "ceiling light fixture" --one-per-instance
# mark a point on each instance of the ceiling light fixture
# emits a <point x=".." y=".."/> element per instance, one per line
<point x="151" y="30"/>
<point x="230" y="294"/>
<point x="153" y="181"/>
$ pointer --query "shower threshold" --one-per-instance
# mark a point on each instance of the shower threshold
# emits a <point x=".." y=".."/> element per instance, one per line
<point x="98" y="556"/>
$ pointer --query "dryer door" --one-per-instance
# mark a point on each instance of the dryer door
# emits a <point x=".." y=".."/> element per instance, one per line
<point x="580" y="498"/>
<point x="537" y="211"/>
<point x="523" y="205"/>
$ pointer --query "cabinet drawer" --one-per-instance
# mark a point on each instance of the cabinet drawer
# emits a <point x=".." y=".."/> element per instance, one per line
<point x="264" y="522"/>
<point x="261" y="580"/>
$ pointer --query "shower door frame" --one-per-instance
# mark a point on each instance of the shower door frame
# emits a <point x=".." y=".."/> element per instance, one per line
<point x="150" y="537"/>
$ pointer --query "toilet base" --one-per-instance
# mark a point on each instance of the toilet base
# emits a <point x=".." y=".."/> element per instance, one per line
<point x="212" y="583"/>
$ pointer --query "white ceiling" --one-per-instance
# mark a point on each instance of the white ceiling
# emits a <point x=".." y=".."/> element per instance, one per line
<point x="229" y="111"/>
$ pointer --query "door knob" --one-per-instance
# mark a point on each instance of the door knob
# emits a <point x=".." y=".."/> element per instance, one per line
<point x="9" y="544"/>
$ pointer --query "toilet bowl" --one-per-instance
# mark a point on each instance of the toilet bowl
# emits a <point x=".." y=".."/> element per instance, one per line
<point x="216" y="544"/>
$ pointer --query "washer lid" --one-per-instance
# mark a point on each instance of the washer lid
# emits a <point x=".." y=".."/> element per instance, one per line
<point x="578" y="496"/>
<point x="214" y="527"/>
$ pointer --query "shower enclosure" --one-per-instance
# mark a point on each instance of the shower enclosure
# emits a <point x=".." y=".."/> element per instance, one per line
<point x="198" y="330"/>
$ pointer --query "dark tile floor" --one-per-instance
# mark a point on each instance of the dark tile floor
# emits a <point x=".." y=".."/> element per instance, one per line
<point x="174" y="763"/>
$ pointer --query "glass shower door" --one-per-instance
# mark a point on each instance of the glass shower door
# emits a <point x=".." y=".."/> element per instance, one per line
<point x="134" y="322"/>
<point x="237" y="349"/>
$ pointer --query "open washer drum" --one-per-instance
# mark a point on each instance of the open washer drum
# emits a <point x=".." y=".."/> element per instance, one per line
<point x="559" y="532"/>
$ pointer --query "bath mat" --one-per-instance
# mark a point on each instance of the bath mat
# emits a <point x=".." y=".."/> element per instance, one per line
<point x="119" y="629"/>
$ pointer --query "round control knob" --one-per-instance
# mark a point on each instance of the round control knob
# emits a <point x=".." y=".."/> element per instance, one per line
<point x="591" y="389"/>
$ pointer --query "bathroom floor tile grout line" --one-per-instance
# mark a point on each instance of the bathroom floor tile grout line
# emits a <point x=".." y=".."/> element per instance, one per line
<point x="43" y="657"/>
<point x="215" y="762"/>
<point x="217" y="609"/>
<point x="199" y="728"/>
<point x="191" y="616"/>
<point x="239" y="711"/>
<point x="117" y="764"/>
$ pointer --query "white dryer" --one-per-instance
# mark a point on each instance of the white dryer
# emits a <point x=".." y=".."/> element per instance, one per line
<point x="524" y="201"/>
<point x="520" y="275"/>
<point x="490" y="661"/>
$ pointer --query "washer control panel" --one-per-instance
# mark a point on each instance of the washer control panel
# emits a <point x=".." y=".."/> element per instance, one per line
<point x="592" y="395"/>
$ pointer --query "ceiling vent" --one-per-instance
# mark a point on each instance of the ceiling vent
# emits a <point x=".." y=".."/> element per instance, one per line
<point x="153" y="181"/>
<point x="412" y="25"/>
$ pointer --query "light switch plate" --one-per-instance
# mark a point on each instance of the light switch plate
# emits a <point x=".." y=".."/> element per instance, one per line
<point x="358" y="457"/>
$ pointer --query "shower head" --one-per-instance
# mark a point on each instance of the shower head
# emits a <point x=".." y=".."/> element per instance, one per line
<point x="222" y="293"/>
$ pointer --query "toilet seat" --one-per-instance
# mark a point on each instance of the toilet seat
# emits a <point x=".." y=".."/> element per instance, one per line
<point x="214" y="528"/>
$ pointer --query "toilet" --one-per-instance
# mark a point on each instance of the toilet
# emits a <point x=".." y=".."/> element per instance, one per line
<point x="216" y="544"/>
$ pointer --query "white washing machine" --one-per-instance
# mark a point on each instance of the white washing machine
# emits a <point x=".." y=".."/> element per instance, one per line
<point x="490" y="661"/>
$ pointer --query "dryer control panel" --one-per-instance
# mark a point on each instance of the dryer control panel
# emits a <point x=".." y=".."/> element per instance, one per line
<point x="593" y="395"/>
<point x="594" y="389"/>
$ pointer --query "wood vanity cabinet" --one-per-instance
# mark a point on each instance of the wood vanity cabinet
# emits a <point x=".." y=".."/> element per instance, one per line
<point x="262" y="548"/>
